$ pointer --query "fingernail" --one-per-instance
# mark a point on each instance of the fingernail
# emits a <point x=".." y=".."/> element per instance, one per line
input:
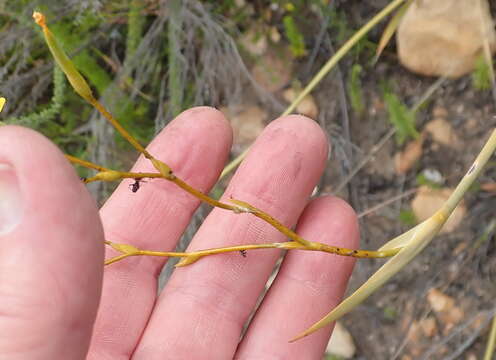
<point x="10" y="199"/>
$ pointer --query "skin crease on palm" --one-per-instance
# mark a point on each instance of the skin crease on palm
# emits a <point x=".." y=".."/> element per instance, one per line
<point x="54" y="305"/>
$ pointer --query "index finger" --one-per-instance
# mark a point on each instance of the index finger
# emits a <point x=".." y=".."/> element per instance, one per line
<point x="195" y="145"/>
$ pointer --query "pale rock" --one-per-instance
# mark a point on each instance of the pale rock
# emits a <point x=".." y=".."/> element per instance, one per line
<point x="444" y="37"/>
<point x="442" y="132"/>
<point x="488" y="187"/>
<point x="427" y="201"/>
<point x="433" y="175"/>
<point x="428" y="326"/>
<point x="275" y="35"/>
<point x="440" y="111"/>
<point x="414" y="336"/>
<point x="307" y="105"/>
<point x="341" y="342"/>
<point x="404" y="160"/>
<point x="446" y="310"/>
<point x="247" y="124"/>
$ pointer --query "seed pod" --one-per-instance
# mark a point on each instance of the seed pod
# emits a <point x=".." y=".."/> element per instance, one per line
<point x="75" y="78"/>
<point x="108" y="175"/>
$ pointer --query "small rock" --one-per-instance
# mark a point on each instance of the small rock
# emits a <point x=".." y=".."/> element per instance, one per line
<point x="440" y="111"/>
<point x="428" y="326"/>
<point x="444" y="37"/>
<point x="444" y="307"/>
<point x="404" y="161"/>
<point x="247" y="124"/>
<point x="427" y="201"/>
<point x="489" y="187"/>
<point x="442" y="132"/>
<point x="433" y="175"/>
<point x="414" y="339"/>
<point x="275" y="35"/>
<point x="471" y="124"/>
<point x="307" y="106"/>
<point x="341" y="342"/>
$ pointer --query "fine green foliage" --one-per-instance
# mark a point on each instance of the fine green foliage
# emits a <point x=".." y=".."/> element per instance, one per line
<point x="402" y="118"/>
<point x="355" y="89"/>
<point x="175" y="86"/>
<point x="407" y="217"/>
<point x="44" y="116"/>
<point x="135" y="26"/>
<point x="341" y="29"/>
<point x="481" y="76"/>
<point x="295" y="37"/>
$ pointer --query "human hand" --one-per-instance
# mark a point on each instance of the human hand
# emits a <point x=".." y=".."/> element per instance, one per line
<point x="52" y="250"/>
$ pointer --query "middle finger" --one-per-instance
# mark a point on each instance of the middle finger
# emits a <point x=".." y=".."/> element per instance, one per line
<point x="202" y="310"/>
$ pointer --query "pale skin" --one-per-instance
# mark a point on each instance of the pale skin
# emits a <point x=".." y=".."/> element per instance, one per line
<point x="53" y="304"/>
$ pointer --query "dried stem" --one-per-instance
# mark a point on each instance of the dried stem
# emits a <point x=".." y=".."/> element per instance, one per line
<point x="236" y="206"/>
<point x="193" y="256"/>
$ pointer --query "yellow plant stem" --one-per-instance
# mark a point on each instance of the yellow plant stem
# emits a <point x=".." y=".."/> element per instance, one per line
<point x="324" y="71"/>
<point x="86" y="164"/>
<point x="193" y="256"/>
<point x="83" y="89"/>
<point x="411" y="243"/>
<point x="488" y="355"/>
<point x="236" y="206"/>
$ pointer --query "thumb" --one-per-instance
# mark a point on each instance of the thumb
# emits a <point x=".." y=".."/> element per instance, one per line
<point x="51" y="251"/>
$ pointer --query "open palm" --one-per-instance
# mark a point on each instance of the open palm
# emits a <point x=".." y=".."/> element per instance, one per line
<point x="53" y="304"/>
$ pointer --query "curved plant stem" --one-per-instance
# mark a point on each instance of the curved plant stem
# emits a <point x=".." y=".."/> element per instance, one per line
<point x="236" y="206"/>
<point x="193" y="256"/>
<point x="324" y="71"/>
<point x="488" y="355"/>
<point x="410" y="243"/>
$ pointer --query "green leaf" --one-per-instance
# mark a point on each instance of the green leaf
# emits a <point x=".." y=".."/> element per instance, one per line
<point x="407" y="217"/>
<point x="295" y="37"/>
<point x="355" y="89"/>
<point x="402" y="118"/>
<point x="481" y="76"/>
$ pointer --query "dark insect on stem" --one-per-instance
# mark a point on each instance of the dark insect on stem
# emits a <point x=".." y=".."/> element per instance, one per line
<point x="243" y="253"/>
<point x="134" y="187"/>
<point x="83" y="179"/>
